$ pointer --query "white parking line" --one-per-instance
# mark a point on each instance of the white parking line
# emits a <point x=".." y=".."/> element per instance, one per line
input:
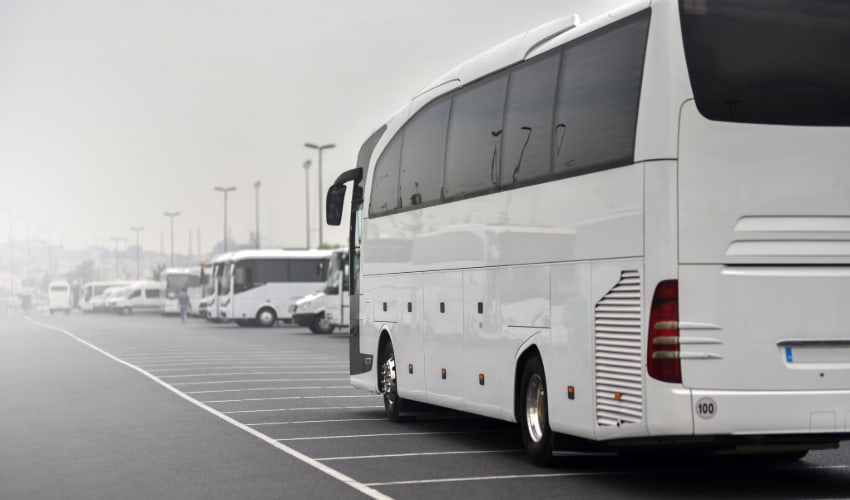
<point x="261" y="367"/>
<point x="272" y="389"/>
<point x="302" y="409"/>
<point x="256" y="373"/>
<point x="512" y="476"/>
<point x="291" y="397"/>
<point x="260" y="424"/>
<point x="357" y="436"/>
<point x="362" y="488"/>
<point x="181" y="384"/>
<point x="424" y="454"/>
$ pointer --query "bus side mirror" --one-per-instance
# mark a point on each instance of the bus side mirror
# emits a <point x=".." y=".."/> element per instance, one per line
<point x="334" y="204"/>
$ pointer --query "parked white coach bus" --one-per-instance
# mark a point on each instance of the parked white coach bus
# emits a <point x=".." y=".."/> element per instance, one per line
<point x="694" y="156"/>
<point x="260" y="286"/>
<point x="172" y="281"/>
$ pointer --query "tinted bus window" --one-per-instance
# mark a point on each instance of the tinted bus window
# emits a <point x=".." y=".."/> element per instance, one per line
<point x="769" y="61"/>
<point x="271" y="271"/>
<point x="598" y="94"/>
<point x="475" y="129"/>
<point x="422" y="153"/>
<point x="384" y="194"/>
<point x="308" y="270"/>
<point x="528" y="121"/>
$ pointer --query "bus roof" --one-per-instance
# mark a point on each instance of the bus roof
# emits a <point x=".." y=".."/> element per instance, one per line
<point x="279" y="254"/>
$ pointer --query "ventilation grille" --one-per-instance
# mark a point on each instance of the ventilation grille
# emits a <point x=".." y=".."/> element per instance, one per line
<point x="617" y="363"/>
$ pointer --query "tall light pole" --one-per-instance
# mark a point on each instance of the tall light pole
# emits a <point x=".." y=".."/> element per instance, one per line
<point x="307" y="196"/>
<point x="116" y="239"/>
<point x="138" y="267"/>
<point x="225" y="191"/>
<point x="320" y="149"/>
<point x="171" y="215"/>
<point x="257" y="212"/>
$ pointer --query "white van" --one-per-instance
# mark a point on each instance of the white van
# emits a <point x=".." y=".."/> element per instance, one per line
<point x="139" y="296"/>
<point x="91" y="297"/>
<point x="59" y="296"/>
<point x="326" y="309"/>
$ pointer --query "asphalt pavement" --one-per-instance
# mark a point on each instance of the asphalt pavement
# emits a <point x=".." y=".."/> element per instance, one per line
<point x="99" y="406"/>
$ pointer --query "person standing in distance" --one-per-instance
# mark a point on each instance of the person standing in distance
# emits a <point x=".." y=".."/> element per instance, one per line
<point x="185" y="305"/>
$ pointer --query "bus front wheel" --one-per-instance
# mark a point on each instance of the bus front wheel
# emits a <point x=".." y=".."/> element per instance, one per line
<point x="534" y="413"/>
<point x="266" y="317"/>
<point x="387" y="382"/>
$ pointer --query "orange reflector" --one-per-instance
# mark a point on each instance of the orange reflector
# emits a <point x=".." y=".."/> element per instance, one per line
<point x="571" y="392"/>
<point x="481" y="378"/>
<point x="443" y="373"/>
<point x="618" y="396"/>
<point x="410" y="368"/>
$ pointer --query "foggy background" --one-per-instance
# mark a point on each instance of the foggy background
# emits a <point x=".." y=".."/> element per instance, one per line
<point x="112" y="112"/>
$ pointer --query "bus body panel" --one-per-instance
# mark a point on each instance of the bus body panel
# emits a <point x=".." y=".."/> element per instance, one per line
<point x="765" y="278"/>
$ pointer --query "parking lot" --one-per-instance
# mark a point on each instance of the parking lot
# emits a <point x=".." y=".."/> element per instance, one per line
<point x="286" y="391"/>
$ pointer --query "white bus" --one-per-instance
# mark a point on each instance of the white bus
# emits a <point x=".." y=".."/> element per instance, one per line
<point x="326" y="309"/>
<point x="172" y="281"/>
<point x="59" y="297"/>
<point x="260" y="286"/>
<point x="693" y="157"/>
<point x="215" y="290"/>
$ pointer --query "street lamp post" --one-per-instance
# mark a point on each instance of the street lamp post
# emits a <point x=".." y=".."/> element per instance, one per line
<point x="138" y="267"/>
<point x="171" y="215"/>
<point x="307" y="197"/>
<point x="225" y="191"/>
<point x="320" y="149"/>
<point x="257" y="212"/>
<point x="116" y="239"/>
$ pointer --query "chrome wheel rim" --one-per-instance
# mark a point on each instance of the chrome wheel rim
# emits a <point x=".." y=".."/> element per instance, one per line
<point x="535" y="408"/>
<point x="388" y="377"/>
<point x="266" y="317"/>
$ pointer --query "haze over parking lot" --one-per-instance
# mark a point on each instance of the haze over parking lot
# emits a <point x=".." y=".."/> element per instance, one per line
<point x="114" y="112"/>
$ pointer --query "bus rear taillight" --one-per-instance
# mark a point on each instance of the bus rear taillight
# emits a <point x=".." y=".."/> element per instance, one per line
<point x="663" y="352"/>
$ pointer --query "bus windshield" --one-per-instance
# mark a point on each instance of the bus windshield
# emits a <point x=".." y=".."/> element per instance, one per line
<point x="175" y="283"/>
<point x="769" y="61"/>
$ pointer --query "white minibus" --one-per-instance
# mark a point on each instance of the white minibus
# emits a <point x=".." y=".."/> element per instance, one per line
<point x="138" y="296"/>
<point x="326" y="309"/>
<point x="172" y="281"/>
<point x="59" y="297"/>
<point x="678" y="170"/>
<point x="260" y="286"/>
<point x="91" y="298"/>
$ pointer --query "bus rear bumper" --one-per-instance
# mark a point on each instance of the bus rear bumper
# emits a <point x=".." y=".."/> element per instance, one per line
<point x="771" y="412"/>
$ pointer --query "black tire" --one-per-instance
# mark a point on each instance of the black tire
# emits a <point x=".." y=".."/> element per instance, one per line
<point x="387" y="383"/>
<point x="321" y="324"/>
<point x="266" y="317"/>
<point x="534" y="413"/>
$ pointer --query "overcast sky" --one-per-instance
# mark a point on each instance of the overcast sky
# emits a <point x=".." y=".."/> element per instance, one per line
<point x="112" y="112"/>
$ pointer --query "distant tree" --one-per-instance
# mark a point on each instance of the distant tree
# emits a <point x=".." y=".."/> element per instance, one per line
<point x="156" y="272"/>
<point x="83" y="273"/>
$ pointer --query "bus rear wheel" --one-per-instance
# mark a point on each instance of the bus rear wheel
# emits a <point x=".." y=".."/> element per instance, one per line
<point x="266" y="317"/>
<point x="387" y="383"/>
<point x="534" y="413"/>
<point x="321" y="324"/>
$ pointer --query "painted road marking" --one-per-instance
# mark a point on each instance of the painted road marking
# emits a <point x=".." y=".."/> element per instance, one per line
<point x="357" y="485"/>
<point x="302" y="409"/>
<point x="423" y="454"/>
<point x="319" y="421"/>
<point x="391" y="434"/>
<point x="271" y="389"/>
<point x="291" y="397"/>
<point x="181" y="384"/>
